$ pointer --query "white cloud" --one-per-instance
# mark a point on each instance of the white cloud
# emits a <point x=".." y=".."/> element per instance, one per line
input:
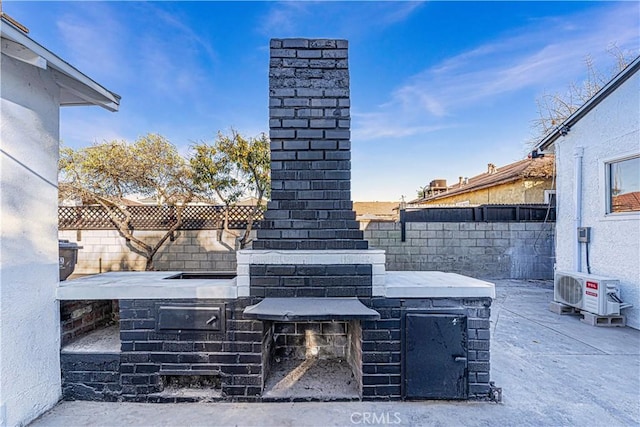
<point x="547" y="55"/>
<point x="399" y="11"/>
<point x="178" y="28"/>
<point x="284" y="17"/>
<point x="94" y="39"/>
<point x="104" y="40"/>
<point x="293" y="18"/>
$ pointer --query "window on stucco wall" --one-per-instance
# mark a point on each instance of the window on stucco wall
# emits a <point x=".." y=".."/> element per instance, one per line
<point x="623" y="185"/>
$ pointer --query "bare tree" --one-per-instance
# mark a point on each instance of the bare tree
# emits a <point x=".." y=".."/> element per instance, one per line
<point x="554" y="109"/>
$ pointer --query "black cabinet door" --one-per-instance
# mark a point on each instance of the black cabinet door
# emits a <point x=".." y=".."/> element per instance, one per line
<point x="435" y="356"/>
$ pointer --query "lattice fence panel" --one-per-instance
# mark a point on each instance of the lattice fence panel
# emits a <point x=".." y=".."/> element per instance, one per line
<point x="208" y="217"/>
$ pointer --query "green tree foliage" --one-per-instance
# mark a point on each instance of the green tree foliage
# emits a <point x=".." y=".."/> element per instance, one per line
<point x="232" y="167"/>
<point x="105" y="173"/>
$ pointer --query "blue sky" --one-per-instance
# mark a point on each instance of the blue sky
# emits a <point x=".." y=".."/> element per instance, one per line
<point x="438" y="88"/>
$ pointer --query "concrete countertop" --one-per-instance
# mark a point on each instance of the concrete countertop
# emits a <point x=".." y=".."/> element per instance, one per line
<point x="155" y="285"/>
<point x="144" y="285"/>
<point x="435" y="284"/>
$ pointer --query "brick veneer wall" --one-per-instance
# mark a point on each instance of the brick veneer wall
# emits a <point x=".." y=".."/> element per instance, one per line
<point x="310" y="280"/>
<point x="490" y="250"/>
<point x="239" y="356"/>
<point x="382" y="344"/>
<point x="79" y="317"/>
<point x="309" y="121"/>
<point x="91" y="376"/>
<point x="234" y="353"/>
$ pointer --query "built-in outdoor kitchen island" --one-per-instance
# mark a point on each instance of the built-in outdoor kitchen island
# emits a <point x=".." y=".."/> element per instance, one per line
<point x="310" y="313"/>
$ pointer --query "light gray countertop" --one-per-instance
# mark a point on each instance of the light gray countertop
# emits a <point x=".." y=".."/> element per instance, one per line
<point x="144" y="285"/>
<point x="155" y="285"/>
<point x="435" y="284"/>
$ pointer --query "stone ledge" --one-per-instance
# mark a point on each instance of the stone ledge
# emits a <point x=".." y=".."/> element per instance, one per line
<point x="435" y="284"/>
<point x="144" y="285"/>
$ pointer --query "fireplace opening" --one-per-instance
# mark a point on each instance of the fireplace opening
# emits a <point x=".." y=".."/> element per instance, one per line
<point x="314" y="360"/>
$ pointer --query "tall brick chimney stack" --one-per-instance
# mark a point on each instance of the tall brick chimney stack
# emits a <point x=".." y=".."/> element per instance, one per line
<point x="309" y="122"/>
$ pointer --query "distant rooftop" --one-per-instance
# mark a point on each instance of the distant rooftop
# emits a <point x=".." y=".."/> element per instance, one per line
<point x="540" y="167"/>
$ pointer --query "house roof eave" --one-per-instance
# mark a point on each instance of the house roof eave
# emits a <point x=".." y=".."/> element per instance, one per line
<point x="76" y="87"/>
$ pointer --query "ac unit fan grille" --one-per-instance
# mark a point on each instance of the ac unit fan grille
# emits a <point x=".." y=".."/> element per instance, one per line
<point x="569" y="289"/>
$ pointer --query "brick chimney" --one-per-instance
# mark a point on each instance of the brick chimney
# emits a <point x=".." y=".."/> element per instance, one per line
<point x="309" y="122"/>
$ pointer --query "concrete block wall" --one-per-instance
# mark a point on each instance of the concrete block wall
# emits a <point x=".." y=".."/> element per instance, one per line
<point x="491" y="250"/>
<point x="518" y="250"/>
<point x="192" y="250"/>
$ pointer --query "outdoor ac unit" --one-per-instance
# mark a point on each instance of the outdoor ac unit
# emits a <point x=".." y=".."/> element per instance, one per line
<point x="596" y="294"/>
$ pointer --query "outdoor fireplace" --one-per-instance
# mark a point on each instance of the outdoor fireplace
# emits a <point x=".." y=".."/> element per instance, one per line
<point x="310" y="210"/>
<point x="311" y="313"/>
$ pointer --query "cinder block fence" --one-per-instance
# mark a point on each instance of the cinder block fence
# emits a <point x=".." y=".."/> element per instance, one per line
<point x="491" y="250"/>
<point x="191" y="250"/>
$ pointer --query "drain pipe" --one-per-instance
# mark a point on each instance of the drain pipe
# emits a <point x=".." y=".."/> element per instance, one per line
<point x="577" y="201"/>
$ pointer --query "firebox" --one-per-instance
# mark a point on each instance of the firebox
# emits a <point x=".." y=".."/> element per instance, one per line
<point x="313" y="347"/>
<point x="315" y="360"/>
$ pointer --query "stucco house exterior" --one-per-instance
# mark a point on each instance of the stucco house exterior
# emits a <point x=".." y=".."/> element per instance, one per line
<point x="597" y="153"/>
<point x="528" y="181"/>
<point x="35" y="83"/>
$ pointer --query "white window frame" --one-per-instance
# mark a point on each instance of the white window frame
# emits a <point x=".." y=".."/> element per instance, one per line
<point x="548" y="194"/>
<point x="605" y="172"/>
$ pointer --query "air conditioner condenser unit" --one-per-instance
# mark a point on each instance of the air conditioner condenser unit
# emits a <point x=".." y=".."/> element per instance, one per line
<point x="596" y="294"/>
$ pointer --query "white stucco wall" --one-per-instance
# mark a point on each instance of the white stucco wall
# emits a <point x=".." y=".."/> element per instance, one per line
<point x="609" y="131"/>
<point x="29" y="314"/>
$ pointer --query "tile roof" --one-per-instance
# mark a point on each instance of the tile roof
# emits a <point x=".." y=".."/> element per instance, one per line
<point x="541" y="167"/>
<point x="627" y="202"/>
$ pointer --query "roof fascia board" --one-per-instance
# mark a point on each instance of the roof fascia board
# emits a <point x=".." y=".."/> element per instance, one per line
<point x="76" y="88"/>
<point x="21" y="53"/>
<point x="112" y="100"/>
<point x="605" y="91"/>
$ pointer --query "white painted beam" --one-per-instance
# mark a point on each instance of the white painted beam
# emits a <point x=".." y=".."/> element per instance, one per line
<point x="21" y="53"/>
<point x="80" y="91"/>
<point x="87" y="86"/>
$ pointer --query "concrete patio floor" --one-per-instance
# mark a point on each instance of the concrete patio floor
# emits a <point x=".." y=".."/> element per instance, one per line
<point x="554" y="371"/>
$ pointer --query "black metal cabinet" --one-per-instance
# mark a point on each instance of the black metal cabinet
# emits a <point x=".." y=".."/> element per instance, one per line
<point x="435" y="356"/>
